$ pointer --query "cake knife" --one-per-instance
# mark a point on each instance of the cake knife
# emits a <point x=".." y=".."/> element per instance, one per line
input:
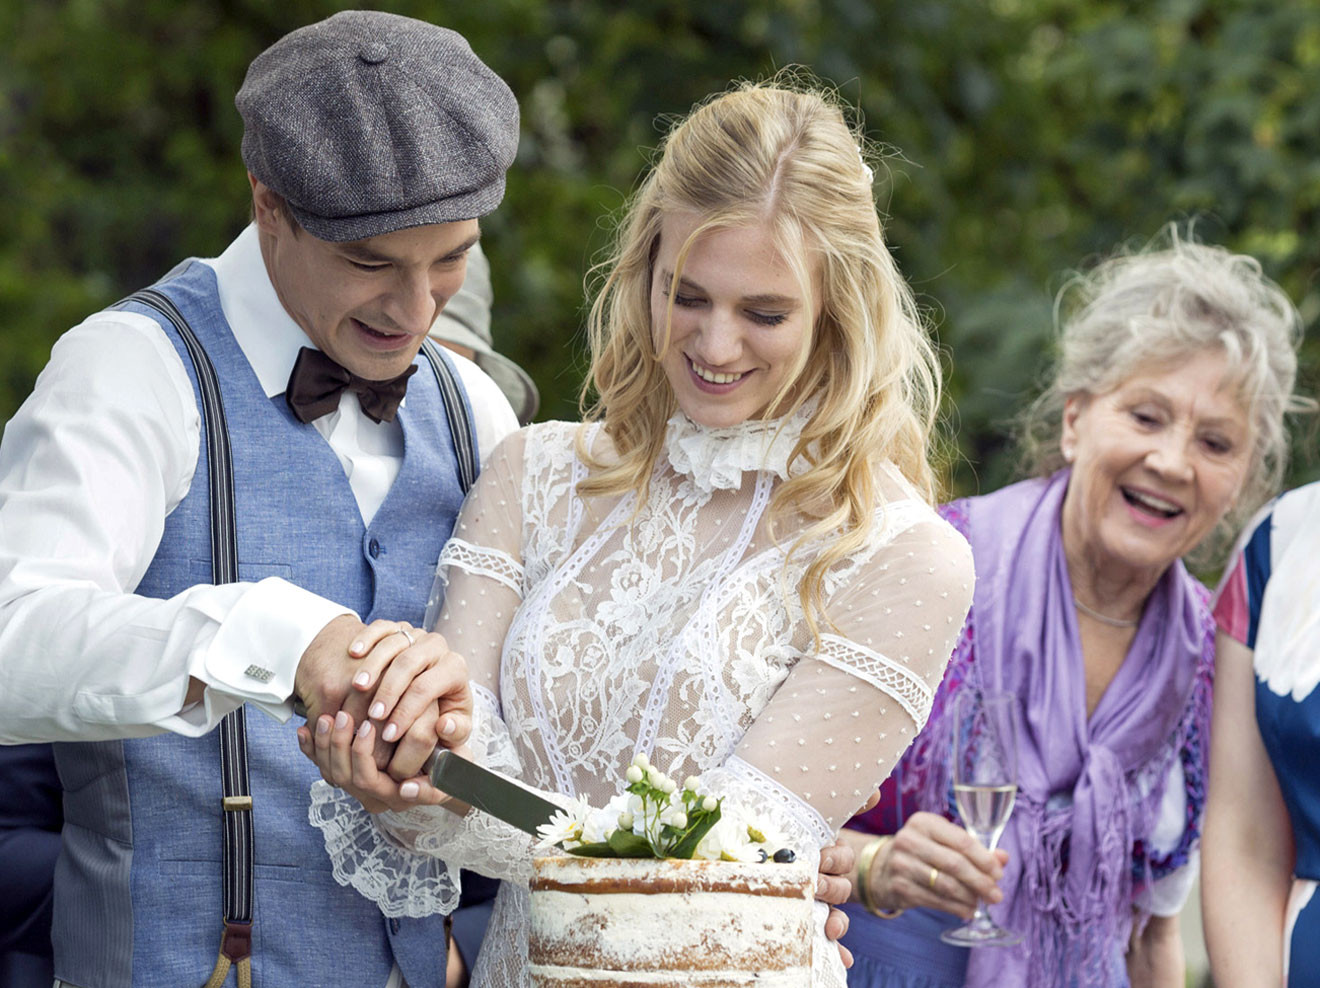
<point x="488" y="791"/>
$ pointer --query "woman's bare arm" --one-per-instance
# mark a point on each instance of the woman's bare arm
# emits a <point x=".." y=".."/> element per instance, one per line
<point x="1247" y="852"/>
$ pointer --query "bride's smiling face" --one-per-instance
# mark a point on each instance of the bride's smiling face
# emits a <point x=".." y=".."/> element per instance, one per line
<point x="740" y="321"/>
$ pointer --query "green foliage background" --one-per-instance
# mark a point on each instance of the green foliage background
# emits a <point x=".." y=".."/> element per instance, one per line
<point x="1028" y="137"/>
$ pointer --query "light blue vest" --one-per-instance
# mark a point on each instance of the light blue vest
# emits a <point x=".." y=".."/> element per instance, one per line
<point x="137" y="893"/>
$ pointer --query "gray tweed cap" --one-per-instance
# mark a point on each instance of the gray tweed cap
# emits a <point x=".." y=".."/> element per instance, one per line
<point x="368" y="122"/>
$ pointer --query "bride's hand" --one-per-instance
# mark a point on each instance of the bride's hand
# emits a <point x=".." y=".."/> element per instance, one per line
<point x="346" y="760"/>
<point x="419" y="695"/>
<point x="833" y="888"/>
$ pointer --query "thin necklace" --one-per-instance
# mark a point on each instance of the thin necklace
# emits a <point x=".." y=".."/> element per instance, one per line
<point x="1113" y="622"/>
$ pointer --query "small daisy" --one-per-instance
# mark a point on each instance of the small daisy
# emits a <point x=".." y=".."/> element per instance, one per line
<point x="565" y="827"/>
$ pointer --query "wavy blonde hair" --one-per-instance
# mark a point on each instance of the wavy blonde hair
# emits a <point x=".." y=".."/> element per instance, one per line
<point x="784" y="155"/>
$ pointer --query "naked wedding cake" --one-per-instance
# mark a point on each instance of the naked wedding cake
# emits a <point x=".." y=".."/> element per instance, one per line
<point x="667" y="887"/>
<point x="611" y="922"/>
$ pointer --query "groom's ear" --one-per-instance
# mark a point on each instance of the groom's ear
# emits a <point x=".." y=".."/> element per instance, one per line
<point x="269" y="210"/>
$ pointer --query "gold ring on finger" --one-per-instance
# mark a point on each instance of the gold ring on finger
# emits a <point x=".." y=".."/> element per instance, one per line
<point x="934" y="876"/>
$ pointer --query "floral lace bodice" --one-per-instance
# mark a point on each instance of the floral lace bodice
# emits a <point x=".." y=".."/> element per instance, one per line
<point x="594" y="631"/>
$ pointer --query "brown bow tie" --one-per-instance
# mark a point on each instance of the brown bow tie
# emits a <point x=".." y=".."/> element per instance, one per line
<point x="317" y="381"/>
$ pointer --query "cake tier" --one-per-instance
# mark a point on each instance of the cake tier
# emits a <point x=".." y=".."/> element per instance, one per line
<point x="611" y="923"/>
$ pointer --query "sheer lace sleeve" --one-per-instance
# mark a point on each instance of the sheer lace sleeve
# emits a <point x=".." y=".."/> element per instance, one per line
<point x="479" y="582"/>
<point x="847" y="712"/>
<point x="394" y="859"/>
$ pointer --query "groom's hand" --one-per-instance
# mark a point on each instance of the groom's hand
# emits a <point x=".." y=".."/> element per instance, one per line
<point x="321" y="681"/>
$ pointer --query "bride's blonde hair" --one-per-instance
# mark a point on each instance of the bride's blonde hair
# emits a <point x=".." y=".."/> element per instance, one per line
<point x="773" y="153"/>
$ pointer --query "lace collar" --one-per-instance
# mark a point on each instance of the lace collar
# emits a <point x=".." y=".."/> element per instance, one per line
<point x="715" y="459"/>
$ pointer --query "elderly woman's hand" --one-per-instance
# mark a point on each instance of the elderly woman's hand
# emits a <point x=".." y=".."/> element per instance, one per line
<point x="936" y="864"/>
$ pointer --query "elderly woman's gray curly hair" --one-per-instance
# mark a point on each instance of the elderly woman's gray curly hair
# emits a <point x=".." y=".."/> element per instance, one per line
<point x="1155" y="307"/>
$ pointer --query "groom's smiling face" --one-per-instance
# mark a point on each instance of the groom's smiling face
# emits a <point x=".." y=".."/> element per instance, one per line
<point x="367" y="303"/>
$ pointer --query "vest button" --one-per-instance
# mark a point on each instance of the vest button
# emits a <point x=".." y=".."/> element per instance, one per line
<point x="373" y="547"/>
<point x="394" y="925"/>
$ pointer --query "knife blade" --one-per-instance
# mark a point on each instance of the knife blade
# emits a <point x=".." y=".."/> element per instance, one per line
<point x="489" y="792"/>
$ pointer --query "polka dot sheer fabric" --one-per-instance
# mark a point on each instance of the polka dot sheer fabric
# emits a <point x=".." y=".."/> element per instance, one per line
<point x="598" y="629"/>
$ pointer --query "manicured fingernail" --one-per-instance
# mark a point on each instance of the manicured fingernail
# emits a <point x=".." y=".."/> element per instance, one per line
<point x="377" y="710"/>
<point x="448" y="727"/>
<point x="820" y="886"/>
<point x="322" y="725"/>
<point x="365" y="729"/>
<point x="409" y="790"/>
<point x="362" y="678"/>
<point x="341" y="720"/>
<point x="390" y="733"/>
<point x="356" y="647"/>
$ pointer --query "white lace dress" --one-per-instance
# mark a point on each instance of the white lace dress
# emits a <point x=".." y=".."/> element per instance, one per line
<point x="595" y="630"/>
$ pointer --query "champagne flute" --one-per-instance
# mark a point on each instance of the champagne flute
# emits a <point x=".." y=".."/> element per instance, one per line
<point x="984" y="787"/>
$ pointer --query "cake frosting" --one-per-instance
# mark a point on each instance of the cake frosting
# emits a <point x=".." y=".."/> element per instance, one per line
<point x="629" y="923"/>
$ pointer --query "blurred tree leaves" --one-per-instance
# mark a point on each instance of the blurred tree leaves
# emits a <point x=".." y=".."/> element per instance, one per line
<point x="1027" y="137"/>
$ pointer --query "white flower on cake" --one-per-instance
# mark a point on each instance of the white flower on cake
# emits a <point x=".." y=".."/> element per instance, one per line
<point x="602" y="822"/>
<point x="567" y="825"/>
<point x="736" y="838"/>
<point x="654" y="818"/>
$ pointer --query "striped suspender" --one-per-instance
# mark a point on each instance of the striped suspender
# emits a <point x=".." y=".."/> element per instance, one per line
<point x="456" y="412"/>
<point x="238" y="887"/>
<point x="237" y="884"/>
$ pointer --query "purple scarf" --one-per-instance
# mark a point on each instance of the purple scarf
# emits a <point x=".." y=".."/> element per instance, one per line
<point x="1075" y="919"/>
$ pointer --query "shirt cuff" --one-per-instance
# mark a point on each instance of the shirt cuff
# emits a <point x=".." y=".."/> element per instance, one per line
<point x="255" y="653"/>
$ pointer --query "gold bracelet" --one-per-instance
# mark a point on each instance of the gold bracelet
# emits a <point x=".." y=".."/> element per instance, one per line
<point x="865" y="862"/>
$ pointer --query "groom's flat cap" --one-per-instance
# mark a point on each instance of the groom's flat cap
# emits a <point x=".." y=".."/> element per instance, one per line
<point x="368" y="122"/>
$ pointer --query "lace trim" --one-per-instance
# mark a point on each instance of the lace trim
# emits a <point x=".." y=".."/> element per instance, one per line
<point x="402" y="882"/>
<point x="895" y="680"/>
<point x="827" y="969"/>
<point x="702" y="623"/>
<point x="540" y="602"/>
<point x="486" y="702"/>
<point x="722" y="705"/>
<point x="483" y="561"/>
<point x="811" y="822"/>
<point x="579" y="474"/>
<point x="716" y="459"/>
<point x="509" y="922"/>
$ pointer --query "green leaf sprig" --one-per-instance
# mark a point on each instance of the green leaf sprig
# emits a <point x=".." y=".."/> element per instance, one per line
<point x="663" y="821"/>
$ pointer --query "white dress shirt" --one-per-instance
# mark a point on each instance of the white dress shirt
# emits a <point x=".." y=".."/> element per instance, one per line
<point x="90" y="467"/>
